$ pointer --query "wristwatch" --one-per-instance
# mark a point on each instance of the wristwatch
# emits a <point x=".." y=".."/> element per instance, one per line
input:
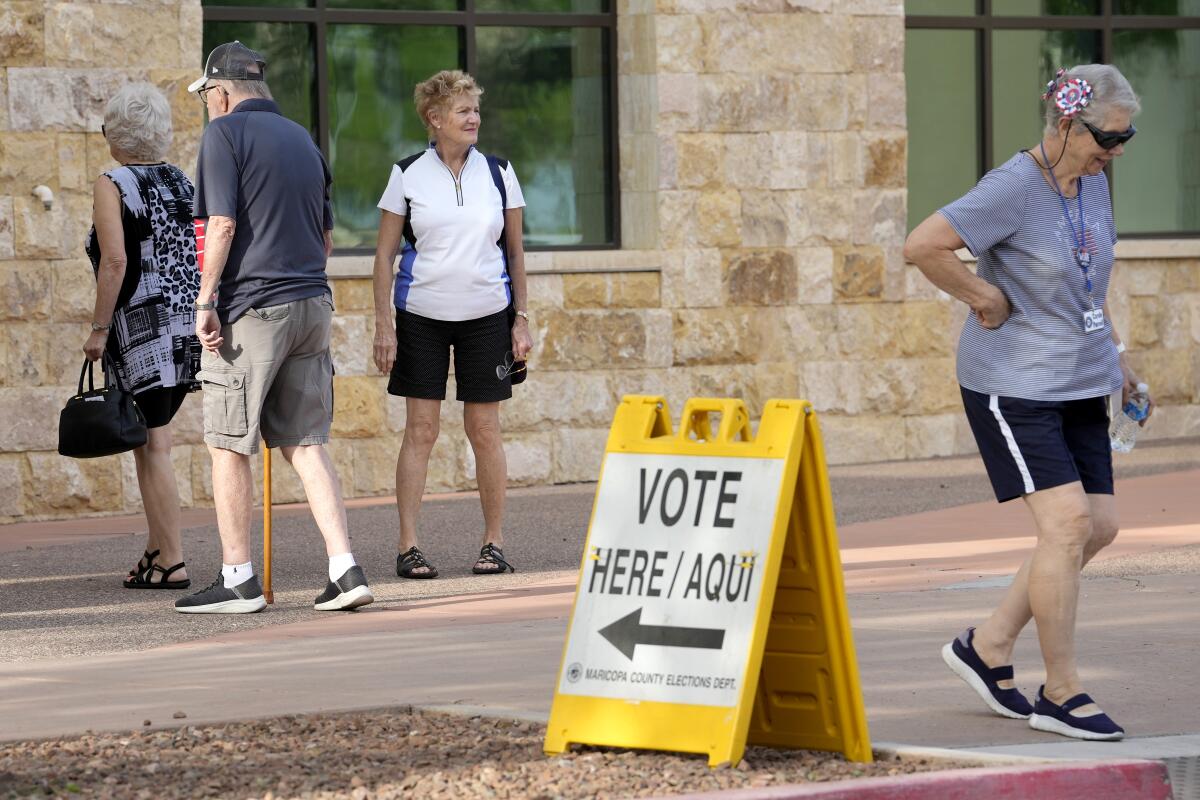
<point x="209" y="306"/>
<point x="97" y="327"/>
<point x="523" y="315"/>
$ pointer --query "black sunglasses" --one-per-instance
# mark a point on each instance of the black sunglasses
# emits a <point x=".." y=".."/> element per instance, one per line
<point x="1110" y="139"/>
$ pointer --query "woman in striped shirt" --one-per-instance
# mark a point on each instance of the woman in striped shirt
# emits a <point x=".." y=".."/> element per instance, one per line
<point x="1037" y="360"/>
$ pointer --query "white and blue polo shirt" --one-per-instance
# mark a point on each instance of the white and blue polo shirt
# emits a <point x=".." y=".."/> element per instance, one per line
<point x="455" y="271"/>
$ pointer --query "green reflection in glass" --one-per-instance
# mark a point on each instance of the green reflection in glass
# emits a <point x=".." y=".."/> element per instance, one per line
<point x="543" y="6"/>
<point x="1045" y="8"/>
<point x="1022" y="63"/>
<point x="546" y="109"/>
<point x="398" y="5"/>
<point x="940" y="7"/>
<point x="291" y="66"/>
<point x="943" y="119"/>
<point x="1156" y="182"/>
<point x="260" y="3"/>
<point x="1173" y="8"/>
<point x="372" y="120"/>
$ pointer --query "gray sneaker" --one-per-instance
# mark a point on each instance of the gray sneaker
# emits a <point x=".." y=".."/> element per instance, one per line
<point x="245" y="598"/>
<point x="347" y="592"/>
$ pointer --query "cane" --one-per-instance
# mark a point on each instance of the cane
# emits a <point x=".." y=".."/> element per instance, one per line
<point x="267" y="525"/>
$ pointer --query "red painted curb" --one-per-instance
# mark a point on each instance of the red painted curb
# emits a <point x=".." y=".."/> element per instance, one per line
<point x="1071" y="780"/>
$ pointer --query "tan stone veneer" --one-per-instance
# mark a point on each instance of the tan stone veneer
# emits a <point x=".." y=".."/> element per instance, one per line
<point x="762" y="174"/>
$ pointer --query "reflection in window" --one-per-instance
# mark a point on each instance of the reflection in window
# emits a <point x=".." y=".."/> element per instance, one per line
<point x="1183" y="8"/>
<point x="1157" y="180"/>
<point x="1022" y="62"/>
<point x="940" y="7"/>
<point x="372" y="120"/>
<point x="544" y="109"/>
<point x="943" y="122"/>
<point x="291" y="68"/>
<point x="1045" y="8"/>
<point x="542" y="6"/>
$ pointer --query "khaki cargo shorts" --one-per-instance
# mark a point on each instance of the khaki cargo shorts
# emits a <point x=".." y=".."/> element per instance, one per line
<point x="273" y="378"/>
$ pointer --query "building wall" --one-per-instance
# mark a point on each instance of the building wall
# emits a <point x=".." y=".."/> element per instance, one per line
<point x="763" y="153"/>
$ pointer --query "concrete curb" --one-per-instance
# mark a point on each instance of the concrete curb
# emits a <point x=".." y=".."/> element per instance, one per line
<point x="959" y="756"/>
<point x="1097" y="780"/>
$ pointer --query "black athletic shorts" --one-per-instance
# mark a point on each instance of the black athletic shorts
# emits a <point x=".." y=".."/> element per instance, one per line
<point x="160" y="405"/>
<point x="1029" y="445"/>
<point x="423" y="357"/>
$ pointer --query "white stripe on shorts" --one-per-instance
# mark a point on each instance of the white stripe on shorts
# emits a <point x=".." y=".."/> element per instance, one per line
<point x="994" y="405"/>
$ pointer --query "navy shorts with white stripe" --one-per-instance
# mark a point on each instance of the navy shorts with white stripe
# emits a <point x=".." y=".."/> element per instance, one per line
<point x="1030" y="445"/>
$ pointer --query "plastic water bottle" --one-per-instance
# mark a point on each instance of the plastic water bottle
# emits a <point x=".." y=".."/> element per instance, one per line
<point x="1125" y="427"/>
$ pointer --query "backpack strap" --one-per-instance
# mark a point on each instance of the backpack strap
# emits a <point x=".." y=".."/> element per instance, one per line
<point x="410" y="238"/>
<point x="495" y="166"/>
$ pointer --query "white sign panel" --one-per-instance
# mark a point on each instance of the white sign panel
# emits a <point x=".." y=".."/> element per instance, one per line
<point x="672" y="579"/>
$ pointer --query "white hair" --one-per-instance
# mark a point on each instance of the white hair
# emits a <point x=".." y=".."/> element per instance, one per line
<point x="1110" y="90"/>
<point x="137" y="122"/>
<point x="255" y="89"/>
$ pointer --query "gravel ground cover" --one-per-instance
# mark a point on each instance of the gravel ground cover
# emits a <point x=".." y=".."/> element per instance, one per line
<point x="398" y="753"/>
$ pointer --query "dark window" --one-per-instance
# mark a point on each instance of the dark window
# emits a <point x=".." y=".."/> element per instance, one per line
<point x="345" y="69"/>
<point x="975" y="70"/>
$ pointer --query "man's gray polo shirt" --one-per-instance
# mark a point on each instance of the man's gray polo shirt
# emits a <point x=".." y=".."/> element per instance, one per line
<point x="263" y="170"/>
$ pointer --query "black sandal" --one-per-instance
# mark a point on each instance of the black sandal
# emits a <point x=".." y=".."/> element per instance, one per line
<point x="142" y="579"/>
<point x="493" y="557"/>
<point x="147" y="557"/>
<point x="413" y="559"/>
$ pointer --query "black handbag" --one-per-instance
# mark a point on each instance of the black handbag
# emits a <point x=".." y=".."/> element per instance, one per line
<point x="100" y="422"/>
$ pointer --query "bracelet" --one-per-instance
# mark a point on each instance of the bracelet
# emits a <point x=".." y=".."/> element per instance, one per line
<point x="523" y="315"/>
<point x="1120" y="348"/>
<point x="209" y="306"/>
<point x="97" y="327"/>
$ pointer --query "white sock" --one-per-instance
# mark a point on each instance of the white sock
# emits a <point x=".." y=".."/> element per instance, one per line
<point x="339" y="564"/>
<point x="236" y="574"/>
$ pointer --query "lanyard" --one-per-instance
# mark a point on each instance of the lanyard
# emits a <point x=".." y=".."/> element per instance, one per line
<point x="1082" y="256"/>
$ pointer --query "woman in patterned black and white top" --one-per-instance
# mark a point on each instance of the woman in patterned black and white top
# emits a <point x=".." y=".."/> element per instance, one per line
<point x="1037" y="360"/>
<point x="143" y="249"/>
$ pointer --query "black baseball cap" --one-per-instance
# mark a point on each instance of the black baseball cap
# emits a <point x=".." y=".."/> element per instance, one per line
<point x="232" y="61"/>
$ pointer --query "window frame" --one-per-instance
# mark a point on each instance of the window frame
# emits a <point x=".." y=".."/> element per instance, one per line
<point x="466" y="20"/>
<point x="983" y="22"/>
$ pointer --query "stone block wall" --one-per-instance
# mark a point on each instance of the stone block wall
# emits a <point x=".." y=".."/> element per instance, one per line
<point x="763" y="190"/>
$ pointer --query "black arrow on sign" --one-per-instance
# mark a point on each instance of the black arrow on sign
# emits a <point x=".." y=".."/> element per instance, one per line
<point x="628" y="632"/>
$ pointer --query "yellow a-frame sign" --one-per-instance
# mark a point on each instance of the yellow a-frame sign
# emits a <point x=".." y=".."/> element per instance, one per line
<point x="710" y="609"/>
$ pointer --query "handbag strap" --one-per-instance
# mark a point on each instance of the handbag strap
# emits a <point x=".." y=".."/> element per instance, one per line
<point x="87" y="370"/>
<point x="111" y="376"/>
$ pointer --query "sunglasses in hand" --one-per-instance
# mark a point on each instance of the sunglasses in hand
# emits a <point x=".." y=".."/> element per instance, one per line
<point x="510" y="367"/>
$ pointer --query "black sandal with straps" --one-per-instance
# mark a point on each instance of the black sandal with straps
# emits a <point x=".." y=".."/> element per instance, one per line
<point x="491" y="561"/>
<point x="142" y="579"/>
<point x="413" y="559"/>
<point x="144" y="563"/>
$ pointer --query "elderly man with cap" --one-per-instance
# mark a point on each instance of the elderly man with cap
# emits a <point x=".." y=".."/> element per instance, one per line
<point x="263" y="316"/>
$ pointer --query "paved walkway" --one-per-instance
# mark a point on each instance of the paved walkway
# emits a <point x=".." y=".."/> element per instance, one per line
<point x="77" y="653"/>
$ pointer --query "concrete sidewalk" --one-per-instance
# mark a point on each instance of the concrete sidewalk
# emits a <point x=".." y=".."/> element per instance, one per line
<point x="79" y="654"/>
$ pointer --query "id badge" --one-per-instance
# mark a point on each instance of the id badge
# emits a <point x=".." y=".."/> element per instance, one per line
<point x="1093" y="320"/>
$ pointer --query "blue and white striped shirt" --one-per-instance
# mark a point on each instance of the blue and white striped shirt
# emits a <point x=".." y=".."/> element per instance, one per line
<point x="1013" y="222"/>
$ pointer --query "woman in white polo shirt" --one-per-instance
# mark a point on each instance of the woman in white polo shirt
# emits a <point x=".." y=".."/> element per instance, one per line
<point x="460" y="287"/>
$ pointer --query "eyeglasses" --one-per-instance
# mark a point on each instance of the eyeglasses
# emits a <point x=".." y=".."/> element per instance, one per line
<point x="510" y="366"/>
<point x="1110" y="139"/>
<point x="202" y="93"/>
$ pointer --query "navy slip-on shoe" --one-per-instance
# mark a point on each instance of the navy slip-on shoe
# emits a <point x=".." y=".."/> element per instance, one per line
<point x="1058" y="719"/>
<point x="962" y="659"/>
